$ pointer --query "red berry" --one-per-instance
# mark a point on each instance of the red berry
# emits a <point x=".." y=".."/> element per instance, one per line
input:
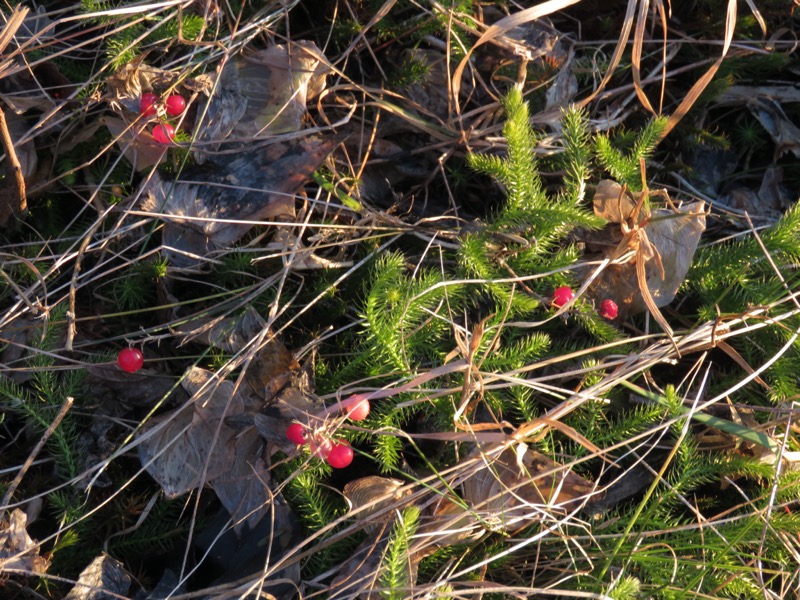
<point x="296" y="434"/>
<point x="341" y="455"/>
<point x="357" y="407"/>
<point x="175" y="105"/>
<point x="320" y="449"/>
<point x="147" y="106"/>
<point x="130" y="360"/>
<point x="562" y="296"/>
<point x="164" y="133"/>
<point x="609" y="310"/>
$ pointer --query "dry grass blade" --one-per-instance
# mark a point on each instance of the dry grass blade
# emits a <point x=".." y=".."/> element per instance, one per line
<point x="12" y="23"/>
<point x="701" y="84"/>
<point x="636" y="53"/>
<point x="619" y="50"/>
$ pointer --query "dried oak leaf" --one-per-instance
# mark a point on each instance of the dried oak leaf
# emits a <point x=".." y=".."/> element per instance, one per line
<point x="672" y="235"/>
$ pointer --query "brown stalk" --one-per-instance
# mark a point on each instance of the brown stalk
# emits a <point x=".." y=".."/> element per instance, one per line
<point x="12" y="25"/>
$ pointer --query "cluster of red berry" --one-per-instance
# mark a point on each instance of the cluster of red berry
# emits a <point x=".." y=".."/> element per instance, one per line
<point x="338" y="453"/>
<point x="174" y="106"/>
<point x="608" y="308"/>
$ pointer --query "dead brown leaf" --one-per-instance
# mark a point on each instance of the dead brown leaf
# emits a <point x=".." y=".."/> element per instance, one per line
<point x="359" y="574"/>
<point x="105" y="577"/>
<point x="17" y="549"/>
<point x="662" y="252"/>
<point x="376" y="493"/>
<point x="125" y="87"/>
<point x="210" y="207"/>
<point x="178" y="449"/>
<point x="182" y="450"/>
<point x="136" y="143"/>
<point x="512" y="489"/>
<point x="260" y="94"/>
<point x="273" y="365"/>
<point x="243" y="488"/>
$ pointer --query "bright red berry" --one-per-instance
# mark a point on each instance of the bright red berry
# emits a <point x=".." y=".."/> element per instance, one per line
<point x="175" y="105"/>
<point x="341" y="455"/>
<point x="562" y="296"/>
<point x="320" y="449"/>
<point x="147" y="106"/>
<point x="609" y="310"/>
<point x="164" y="133"/>
<point x="130" y="360"/>
<point x="296" y="434"/>
<point x="357" y="407"/>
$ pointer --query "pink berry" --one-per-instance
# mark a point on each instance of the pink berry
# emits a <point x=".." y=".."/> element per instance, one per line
<point x="296" y="434"/>
<point x="341" y="455"/>
<point x="609" y="310"/>
<point x="562" y="296"/>
<point x="320" y="449"/>
<point x="164" y="133"/>
<point x="357" y="407"/>
<point x="175" y="105"/>
<point x="130" y="360"/>
<point x="147" y="106"/>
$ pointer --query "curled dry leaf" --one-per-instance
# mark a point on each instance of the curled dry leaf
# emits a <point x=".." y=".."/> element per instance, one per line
<point x="357" y="576"/>
<point x="783" y="132"/>
<point x="17" y="549"/>
<point x="124" y="88"/>
<point x="378" y="494"/>
<point x="665" y="245"/>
